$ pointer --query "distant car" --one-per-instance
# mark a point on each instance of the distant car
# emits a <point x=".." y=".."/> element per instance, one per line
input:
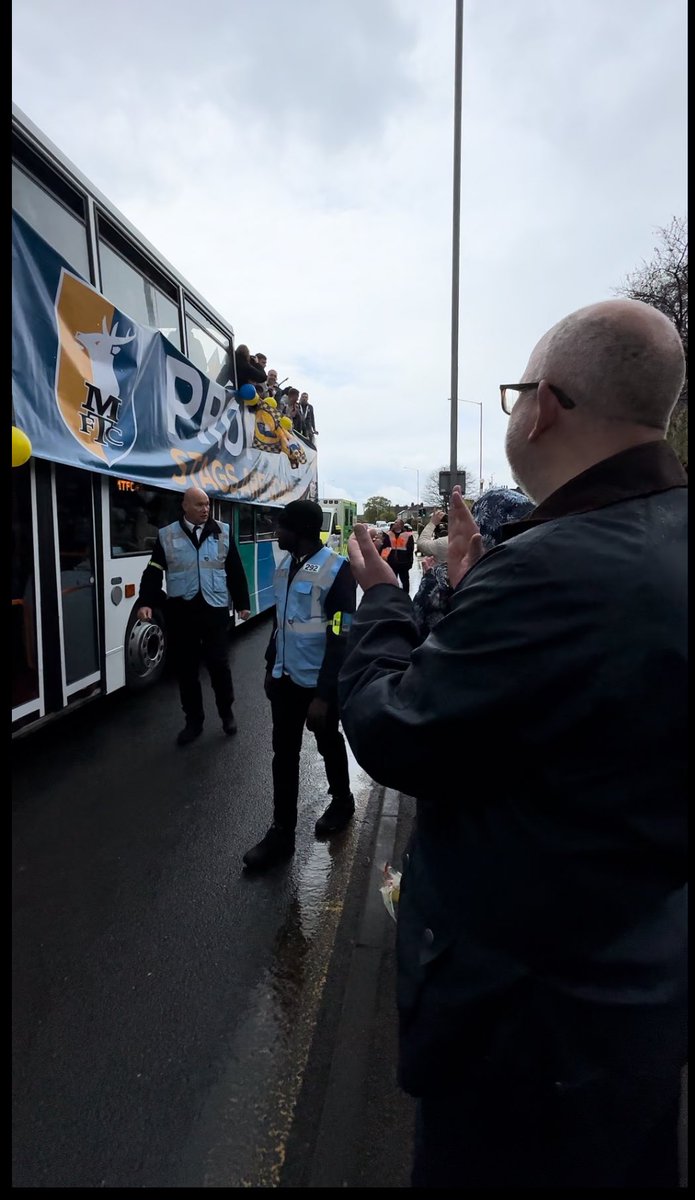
<point x="382" y="524"/>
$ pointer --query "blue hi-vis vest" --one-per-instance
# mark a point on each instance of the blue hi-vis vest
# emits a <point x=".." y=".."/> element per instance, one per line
<point x="190" y="571"/>
<point x="300" y="642"/>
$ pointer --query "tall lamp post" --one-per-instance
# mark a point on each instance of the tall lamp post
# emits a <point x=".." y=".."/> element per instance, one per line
<point x="458" y="93"/>
<point x="479" y="405"/>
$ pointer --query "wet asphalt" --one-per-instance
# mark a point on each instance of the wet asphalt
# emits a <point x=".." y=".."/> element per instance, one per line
<point x="174" y="1019"/>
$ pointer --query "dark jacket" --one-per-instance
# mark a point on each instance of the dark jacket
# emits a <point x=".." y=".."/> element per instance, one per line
<point x="246" y="372"/>
<point x="309" y="420"/>
<point x="341" y="598"/>
<point x="545" y="882"/>
<point x="404" y="557"/>
<point x="432" y="601"/>
<point x="151" y="585"/>
<point x="298" y="422"/>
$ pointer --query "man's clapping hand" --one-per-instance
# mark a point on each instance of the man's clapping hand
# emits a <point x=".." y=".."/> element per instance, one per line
<point x="465" y="542"/>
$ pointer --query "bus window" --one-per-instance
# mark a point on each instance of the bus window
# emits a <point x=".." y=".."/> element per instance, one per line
<point x="327" y="521"/>
<point x="245" y="523"/>
<point x="58" y="226"/>
<point x="206" y="345"/>
<point x="266" y="524"/>
<point x="137" y="515"/>
<point x="130" y="289"/>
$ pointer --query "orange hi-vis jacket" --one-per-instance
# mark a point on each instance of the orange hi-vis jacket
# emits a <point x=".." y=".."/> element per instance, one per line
<point x="402" y="543"/>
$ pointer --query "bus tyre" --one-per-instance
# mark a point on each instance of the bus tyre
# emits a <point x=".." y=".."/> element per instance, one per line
<point x="145" y="651"/>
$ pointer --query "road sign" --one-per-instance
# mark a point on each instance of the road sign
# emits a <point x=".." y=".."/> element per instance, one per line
<point x="446" y="486"/>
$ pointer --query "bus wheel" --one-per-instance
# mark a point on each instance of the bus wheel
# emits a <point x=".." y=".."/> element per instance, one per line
<point x="145" y="651"/>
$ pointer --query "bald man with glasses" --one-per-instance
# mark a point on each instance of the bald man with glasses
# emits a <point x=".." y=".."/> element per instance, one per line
<point x="542" y="925"/>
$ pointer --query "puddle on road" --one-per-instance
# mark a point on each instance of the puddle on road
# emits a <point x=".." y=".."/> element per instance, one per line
<point x="252" y="1109"/>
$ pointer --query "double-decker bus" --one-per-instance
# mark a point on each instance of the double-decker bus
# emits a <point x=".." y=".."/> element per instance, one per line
<point x="115" y="360"/>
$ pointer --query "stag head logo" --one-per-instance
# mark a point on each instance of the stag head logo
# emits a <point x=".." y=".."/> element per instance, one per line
<point x="102" y="348"/>
<point x="96" y="370"/>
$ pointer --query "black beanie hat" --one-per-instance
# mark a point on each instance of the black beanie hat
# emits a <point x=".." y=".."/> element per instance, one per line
<point x="302" y="516"/>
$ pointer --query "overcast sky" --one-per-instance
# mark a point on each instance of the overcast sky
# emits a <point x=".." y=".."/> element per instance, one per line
<point x="294" y="162"/>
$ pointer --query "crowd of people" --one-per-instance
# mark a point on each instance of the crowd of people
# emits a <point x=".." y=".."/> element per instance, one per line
<point x="291" y="403"/>
<point x="532" y="699"/>
<point x="398" y="545"/>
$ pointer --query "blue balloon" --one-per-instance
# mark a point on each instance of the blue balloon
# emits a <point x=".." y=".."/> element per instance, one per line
<point x="247" y="391"/>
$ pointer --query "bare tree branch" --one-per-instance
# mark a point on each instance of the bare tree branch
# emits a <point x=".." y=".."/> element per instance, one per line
<point x="663" y="283"/>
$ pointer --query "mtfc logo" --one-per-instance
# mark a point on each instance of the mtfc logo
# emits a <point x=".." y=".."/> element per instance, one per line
<point x="95" y="370"/>
<point x="99" y="412"/>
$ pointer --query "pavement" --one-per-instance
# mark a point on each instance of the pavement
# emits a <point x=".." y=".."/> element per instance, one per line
<point x="353" y="1126"/>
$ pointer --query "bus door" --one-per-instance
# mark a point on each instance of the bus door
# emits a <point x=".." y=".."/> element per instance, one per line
<point x="75" y="554"/>
<point x="25" y="627"/>
<point x="55" y="636"/>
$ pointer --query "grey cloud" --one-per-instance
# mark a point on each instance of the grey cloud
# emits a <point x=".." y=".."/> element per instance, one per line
<point x="331" y="72"/>
<point x="328" y="72"/>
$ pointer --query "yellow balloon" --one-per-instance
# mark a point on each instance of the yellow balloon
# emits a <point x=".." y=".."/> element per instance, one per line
<point x="21" y="447"/>
<point x="285" y="422"/>
<point x="270" y="402"/>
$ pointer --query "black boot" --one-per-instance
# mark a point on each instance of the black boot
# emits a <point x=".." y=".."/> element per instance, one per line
<point x="275" y="847"/>
<point x="188" y="734"/>
<point x="338" y="814"/>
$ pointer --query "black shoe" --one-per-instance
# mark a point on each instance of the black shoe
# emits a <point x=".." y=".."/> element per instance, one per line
<point x="338" y="814"/>
<point x="229" y="724"/>
<point x="275" y="847"/>
<point x="188" y="734"/>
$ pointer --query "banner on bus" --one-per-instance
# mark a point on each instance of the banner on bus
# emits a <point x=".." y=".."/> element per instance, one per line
<point x="91" y="388"/>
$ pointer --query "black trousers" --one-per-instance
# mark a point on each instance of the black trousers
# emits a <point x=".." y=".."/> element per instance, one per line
<point x="290" y="704"/>
<point x="198" y="634"/>
<point x="614" y="1132"/>
<point x="403" y="576"/>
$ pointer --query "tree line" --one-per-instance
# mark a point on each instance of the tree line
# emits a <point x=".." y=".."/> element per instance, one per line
<point x="663" y="283"/>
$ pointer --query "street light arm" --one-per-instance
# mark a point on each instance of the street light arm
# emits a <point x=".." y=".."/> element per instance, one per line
<point x="478" y="404"/>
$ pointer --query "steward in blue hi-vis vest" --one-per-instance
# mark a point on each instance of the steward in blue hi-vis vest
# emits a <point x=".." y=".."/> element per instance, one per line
<point x="315" y="599"/>
<point x="191" y="570"/>
<point x="300" y="643"/>
<point x="198" y="560"/>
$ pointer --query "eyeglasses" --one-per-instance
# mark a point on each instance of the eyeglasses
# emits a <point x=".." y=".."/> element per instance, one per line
<point x="508" y="401"/>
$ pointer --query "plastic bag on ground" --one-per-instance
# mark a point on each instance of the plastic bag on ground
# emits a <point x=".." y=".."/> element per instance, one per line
<point x="391" y="888"/>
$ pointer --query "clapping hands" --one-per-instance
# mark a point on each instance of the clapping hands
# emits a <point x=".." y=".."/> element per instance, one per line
<point x="465" y="543"/>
